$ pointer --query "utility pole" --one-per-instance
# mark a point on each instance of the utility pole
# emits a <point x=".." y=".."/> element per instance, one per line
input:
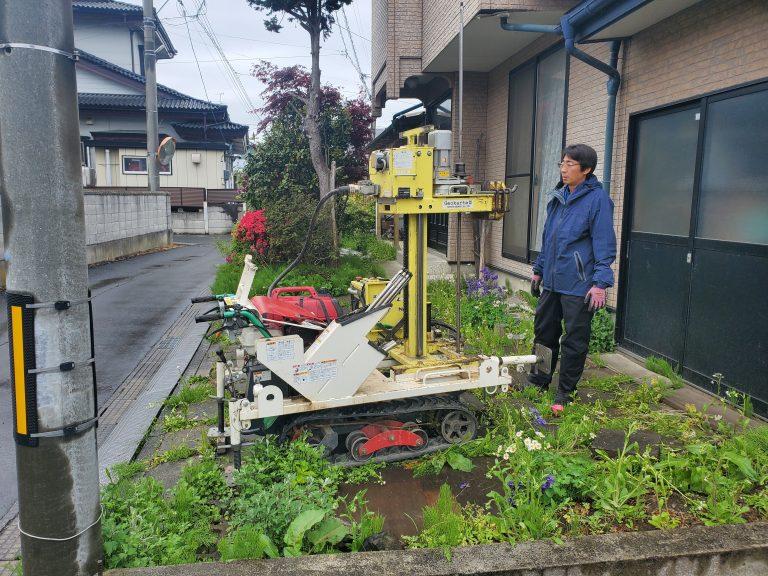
<point x="52" y="376"/>
<point x="150" y="59"/>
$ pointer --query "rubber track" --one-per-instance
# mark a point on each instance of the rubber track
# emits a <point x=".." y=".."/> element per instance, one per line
<point x="389" y="409"/>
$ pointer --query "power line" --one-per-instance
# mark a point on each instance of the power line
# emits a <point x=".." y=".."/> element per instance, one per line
<point x="205" y="24"/>
<point x="352" y="32"/>
<point x="355" y="61"/>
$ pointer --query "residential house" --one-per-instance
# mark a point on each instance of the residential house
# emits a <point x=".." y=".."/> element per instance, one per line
<point x="689" y="151"/>
<point x="109" y="38"/>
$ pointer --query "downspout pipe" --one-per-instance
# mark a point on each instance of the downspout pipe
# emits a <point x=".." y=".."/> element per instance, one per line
<point x="614" y="82"/>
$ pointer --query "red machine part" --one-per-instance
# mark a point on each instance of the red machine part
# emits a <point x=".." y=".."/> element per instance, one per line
<point x="291" y="304"/>
<point x="363" y="443"/>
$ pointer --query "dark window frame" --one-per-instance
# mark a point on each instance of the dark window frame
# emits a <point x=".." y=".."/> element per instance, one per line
<point x="531" y="255"/>
<point x="123" y="157"/>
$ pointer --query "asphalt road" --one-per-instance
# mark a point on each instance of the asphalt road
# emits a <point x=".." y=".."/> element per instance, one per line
<point x="135" y="301"/>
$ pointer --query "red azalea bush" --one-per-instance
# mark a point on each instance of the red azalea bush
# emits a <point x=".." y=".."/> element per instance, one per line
<point x="249" y="236"/>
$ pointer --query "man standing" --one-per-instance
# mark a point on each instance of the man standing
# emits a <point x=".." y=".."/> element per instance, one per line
<point x="573" y="269"/>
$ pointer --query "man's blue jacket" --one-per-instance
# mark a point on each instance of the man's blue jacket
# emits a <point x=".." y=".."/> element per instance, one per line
<point x="579" y="244"/>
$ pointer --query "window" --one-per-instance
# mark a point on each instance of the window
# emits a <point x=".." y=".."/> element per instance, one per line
<point x="535" y="131"/>
<point x="138" y="165"/>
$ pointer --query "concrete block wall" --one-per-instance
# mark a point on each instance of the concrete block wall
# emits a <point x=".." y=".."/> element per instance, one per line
<point x="121" y="223"/>
<point x="193" y="222"/>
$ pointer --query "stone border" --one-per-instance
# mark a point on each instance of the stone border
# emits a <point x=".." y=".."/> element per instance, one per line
<point x="736" y="550"/>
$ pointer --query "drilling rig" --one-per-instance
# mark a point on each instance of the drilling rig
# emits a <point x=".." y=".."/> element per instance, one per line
<point x="382" y="381"/>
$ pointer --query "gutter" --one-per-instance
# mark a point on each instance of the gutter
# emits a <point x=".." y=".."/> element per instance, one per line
<point x="569" y="23"/>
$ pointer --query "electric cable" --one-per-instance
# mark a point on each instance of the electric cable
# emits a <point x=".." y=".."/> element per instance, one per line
<point x="292" y="265"/>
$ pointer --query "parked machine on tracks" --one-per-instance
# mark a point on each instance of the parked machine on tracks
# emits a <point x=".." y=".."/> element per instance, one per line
<point x="382" y="381"/>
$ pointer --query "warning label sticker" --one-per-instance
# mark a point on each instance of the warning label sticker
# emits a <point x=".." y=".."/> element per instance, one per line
<point x="458" y="203"/>
<point x="402" y="160"/>
<point x="278" y="350"/>
<point x="314" y="372"/>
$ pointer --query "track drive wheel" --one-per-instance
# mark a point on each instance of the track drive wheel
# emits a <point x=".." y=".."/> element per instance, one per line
<point x="458" y="426"/>
<point x="351" y="437"/>
<point x="355" y="449"/>
<point x="420" y="432"/>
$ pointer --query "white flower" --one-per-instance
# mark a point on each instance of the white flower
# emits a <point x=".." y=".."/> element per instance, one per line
<point x="539" y="434"/>
<point x="512" y="449"/>
<point x="519" y="434"/>
<point x="718" y="417"/>
<point x="548" y="446"/>
<point x="585" y="418"/>
<point x="592" y="436"/>
<point x="506" y="456"/>
<point x="531" y="444"/>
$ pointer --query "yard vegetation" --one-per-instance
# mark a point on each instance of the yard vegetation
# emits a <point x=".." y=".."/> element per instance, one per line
<point x="614" y="460"/>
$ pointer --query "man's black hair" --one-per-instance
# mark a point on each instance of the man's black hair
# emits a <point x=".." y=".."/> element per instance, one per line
<point x="583" y="154"/>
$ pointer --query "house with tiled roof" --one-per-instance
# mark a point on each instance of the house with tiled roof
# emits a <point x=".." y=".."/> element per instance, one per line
<point x="109" y="38"/>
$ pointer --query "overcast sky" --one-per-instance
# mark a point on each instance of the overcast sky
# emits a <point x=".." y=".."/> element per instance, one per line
<point x="240" y="32"/>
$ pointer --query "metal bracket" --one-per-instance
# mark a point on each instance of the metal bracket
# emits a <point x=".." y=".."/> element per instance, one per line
<point x="63" y="367"/>
<point x="8" y="46"/>
<point x="68" y="431"/>
<point x="58" y="304"/>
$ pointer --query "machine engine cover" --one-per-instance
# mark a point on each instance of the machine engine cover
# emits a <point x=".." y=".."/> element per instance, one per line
<point x="296" y="304"/>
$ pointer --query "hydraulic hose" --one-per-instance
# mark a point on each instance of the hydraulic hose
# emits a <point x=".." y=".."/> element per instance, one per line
<point x="292" y="265"/>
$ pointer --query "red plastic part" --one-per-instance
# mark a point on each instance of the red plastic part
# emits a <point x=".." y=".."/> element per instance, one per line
<point x="389" y="439"/>
<point x="296" y="308"/>
<point x="386" y="434"/>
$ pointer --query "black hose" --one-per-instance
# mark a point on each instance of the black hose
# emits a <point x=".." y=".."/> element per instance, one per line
<point x="292" y="265"/>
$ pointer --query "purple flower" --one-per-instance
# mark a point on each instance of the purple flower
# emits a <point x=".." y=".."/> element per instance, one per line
<point x="463" y="485"/>
<point x="534" y="412"/>
<point x="539" y="421"/>
<point x="549" y="481"/>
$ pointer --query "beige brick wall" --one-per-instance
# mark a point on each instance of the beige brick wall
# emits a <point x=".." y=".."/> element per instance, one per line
<point x="475" y="136"/>
<point x="713" y="45"/>
<point x="441" y="18"/>
<point x="379" y="44"/>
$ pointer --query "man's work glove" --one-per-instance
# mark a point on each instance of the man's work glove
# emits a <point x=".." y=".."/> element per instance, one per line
<point x="536" y="285"/>
<point x="596" y="298"/>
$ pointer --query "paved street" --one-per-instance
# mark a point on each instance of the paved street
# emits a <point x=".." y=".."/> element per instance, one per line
<point x="135" y="301"/>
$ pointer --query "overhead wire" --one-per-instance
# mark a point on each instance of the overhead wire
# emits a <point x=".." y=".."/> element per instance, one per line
<point x="355" y="60"/>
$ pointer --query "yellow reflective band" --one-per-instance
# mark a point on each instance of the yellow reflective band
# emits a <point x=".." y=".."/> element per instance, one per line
<point x="19" y="371"/>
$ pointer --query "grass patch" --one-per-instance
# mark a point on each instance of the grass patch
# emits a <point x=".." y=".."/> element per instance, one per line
<point x="195" y="389"/>
<point x="175" y="454"/>
<point x="661" y="366"/>
<point x="334" y="280"/>
<point x="369" y="245"/>
<point x="178" y="419"/>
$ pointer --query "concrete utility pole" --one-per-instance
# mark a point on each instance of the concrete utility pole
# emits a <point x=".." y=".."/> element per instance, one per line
<point x="50" y="349"/>
<point x="150" y="59"/>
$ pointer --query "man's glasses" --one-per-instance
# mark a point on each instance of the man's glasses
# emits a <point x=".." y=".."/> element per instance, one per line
<point x="569" y="164"/>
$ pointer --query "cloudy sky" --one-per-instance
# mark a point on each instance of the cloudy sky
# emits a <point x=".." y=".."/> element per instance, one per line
<point x="240" y="33"/>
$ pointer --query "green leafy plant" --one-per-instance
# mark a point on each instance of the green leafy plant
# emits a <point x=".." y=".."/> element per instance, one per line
<point x="603" y="331"/>
<point x="247" y="542"/>
<point x="175" y="454"/>
<point x="178" y="419"/>
<point x="661" y="366"/>
<point x="447" y="524"/>
<point x="191" y="392"/>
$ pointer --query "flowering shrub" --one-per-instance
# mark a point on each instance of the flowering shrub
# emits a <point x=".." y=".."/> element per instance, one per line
<point x="486" y="285"/>
<point x="249" y="236"/>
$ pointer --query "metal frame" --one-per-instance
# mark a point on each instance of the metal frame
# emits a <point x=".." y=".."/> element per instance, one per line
<point x="531" y="255"/>
<point x="692" y="242"/>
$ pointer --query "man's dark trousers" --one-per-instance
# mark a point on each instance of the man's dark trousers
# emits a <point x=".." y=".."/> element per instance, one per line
<point x="551" y="310"/>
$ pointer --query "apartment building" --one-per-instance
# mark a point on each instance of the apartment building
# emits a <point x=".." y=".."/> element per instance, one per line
<point x="689" y="150"/>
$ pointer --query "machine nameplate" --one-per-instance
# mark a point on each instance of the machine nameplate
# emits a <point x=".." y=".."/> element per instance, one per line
<point x="313" y="372"/>
<point x="402" y="161"/>
<point x="454" y="204"/>
<point x="278" y="350"/>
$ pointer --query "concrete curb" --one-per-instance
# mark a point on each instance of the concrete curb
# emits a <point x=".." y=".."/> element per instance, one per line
<point x="740" y="550"/>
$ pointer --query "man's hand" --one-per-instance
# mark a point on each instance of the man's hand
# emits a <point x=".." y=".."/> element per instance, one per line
<point x="536" y="285"/>
<point x="596" y="298"/>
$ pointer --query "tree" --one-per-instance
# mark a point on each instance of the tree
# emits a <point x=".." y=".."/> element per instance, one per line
<point x="279" y="177"/>
<point x="316" y="17"/>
